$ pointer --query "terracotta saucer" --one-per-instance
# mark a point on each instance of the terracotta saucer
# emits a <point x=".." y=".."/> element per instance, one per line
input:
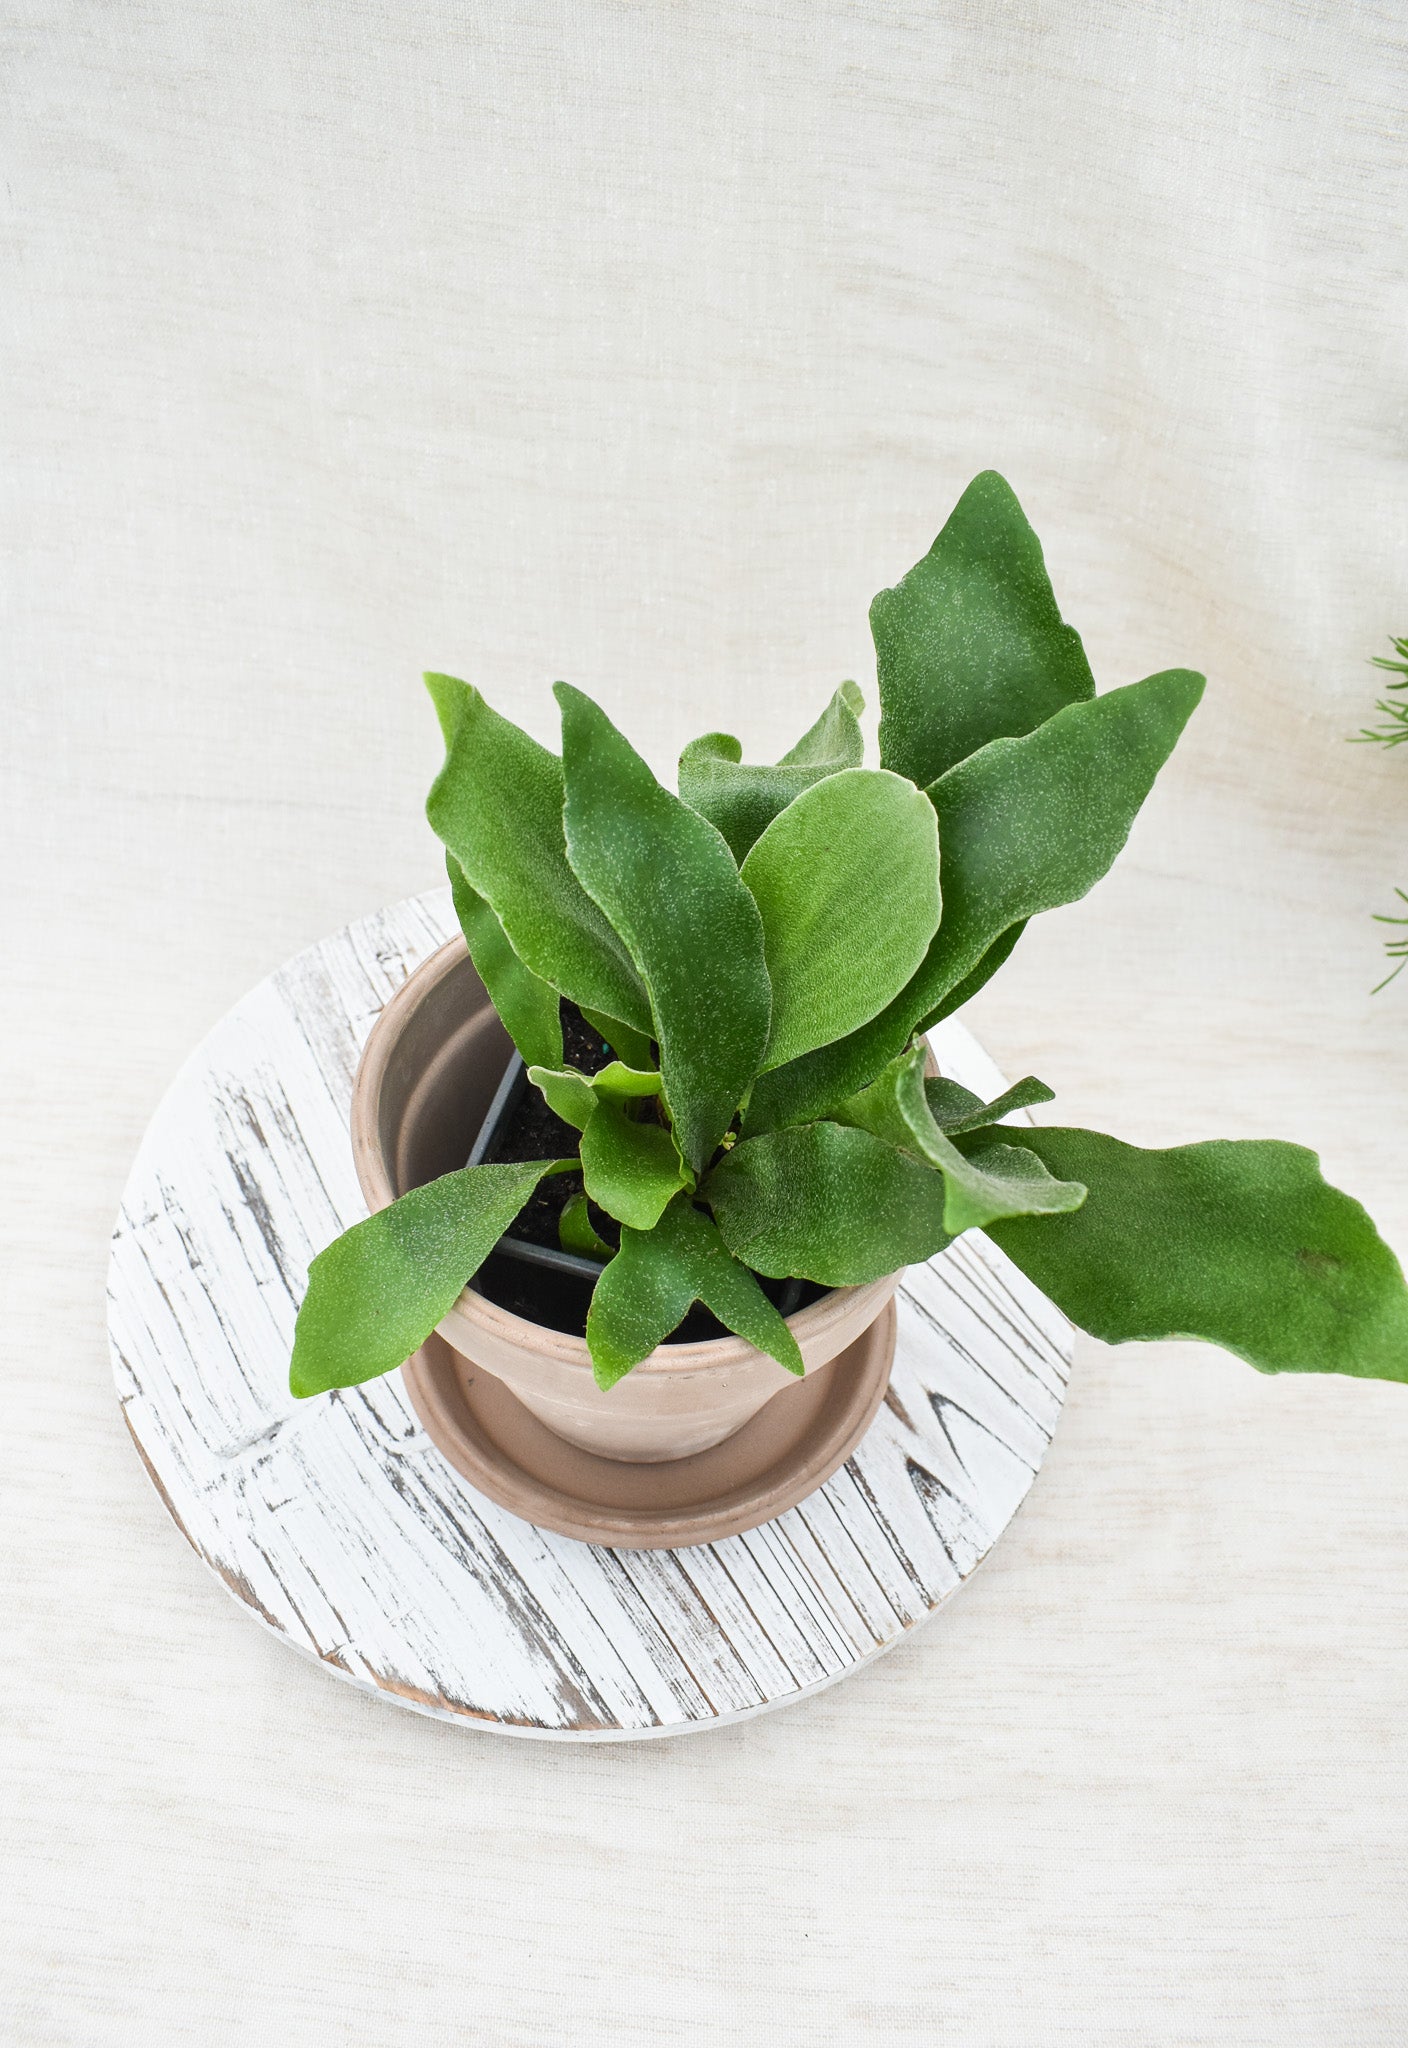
<point x="791" y="1447"/>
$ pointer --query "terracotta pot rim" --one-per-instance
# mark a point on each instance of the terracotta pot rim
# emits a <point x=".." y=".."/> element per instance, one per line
<point x="379" y="1190"/>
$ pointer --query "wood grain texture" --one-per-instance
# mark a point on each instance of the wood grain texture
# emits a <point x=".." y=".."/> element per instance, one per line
<point x="340" y="1526"/>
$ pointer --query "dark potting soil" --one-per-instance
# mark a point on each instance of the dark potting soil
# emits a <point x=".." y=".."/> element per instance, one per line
<point x="541" y="1294"/>
<point x="533" y="1131"/>
<point x="559" y="1301"/>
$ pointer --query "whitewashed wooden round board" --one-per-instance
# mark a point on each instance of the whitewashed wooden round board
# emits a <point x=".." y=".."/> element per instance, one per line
<point x="338" y="1524"/>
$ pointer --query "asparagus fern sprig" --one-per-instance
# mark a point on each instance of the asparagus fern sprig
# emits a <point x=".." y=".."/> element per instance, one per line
<point x="1392" y="733"/>
<point x="1396" y="949"/>
<point x="1393" y="710"/>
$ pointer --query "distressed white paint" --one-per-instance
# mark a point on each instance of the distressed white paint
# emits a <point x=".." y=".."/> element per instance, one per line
<point x="338" y="1523"/>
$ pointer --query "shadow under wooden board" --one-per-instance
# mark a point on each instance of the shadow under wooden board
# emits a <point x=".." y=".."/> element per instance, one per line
<point x="338" y="1524"/>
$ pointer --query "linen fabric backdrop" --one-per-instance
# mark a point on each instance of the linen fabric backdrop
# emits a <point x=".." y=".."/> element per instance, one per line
<point x="641" y="344"/>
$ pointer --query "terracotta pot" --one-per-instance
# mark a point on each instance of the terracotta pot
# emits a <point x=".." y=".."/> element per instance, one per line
<point x="428" y="1074"/>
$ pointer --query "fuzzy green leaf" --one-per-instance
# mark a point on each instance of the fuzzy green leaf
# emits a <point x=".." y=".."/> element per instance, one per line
<point x="530" y="1010"/>
<point x="573" y="1095"/>
<point x="894" y="1106"/>
<point x="620" y="1083"/>
<point x="1029" y="824"/>
<point x="567" y="1093"/>
<point x="812" y="1086"/>
<point x="956" y="1109"/>
<point x="375" y="1294"/>
<point x="846" y="880"/>
<point x="670" y="886"/>
<point x="741" y="798"/>
<point x="1239" y="1242"/>
<point x="577" y="1233"/>
<point x="836" y="740"/>
<point x="1000" y="1180"/>
<point x="970" y="646"/>
<point x="997" y="1180"/>
<point x="497" y="805"/>
<point x="827" y="1203"/>
<point x="655" y="1279"/>
<point x="630" y="1170"/>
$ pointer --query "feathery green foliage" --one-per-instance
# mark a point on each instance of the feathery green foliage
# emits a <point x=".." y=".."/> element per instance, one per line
<point x="1392" y="733"/>
<point x="1393" y="710"/>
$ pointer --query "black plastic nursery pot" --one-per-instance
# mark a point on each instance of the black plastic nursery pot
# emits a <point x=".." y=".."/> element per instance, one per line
<point x="528" y="1271"/>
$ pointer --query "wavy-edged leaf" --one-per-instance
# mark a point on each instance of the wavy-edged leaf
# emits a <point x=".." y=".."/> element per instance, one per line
<point x="375" y="1295"/>
<point x="567" y="1093"/>
<point x="497" y="805"/>
<point x="894" y="1106"/>
<point x="741" y="798"/>
<point x="670" y="886"/>
<point x="836" y="740"/>
<point x="573" y="1095"/>
<point x="970" y="646"/>
<point x="828" y="1203"/>
<point x="654" y="1280"/>
<point x="630" y="1170"/>
<point x="999" y="1180"/>
<point x="1029" y="824"/>
<point x="846" y="881"/>
<point x="956" y="1109"/>
<point x="531" y="1012"/>
<point x="1240" y="1242"/>
<point x="980" y="1186"/>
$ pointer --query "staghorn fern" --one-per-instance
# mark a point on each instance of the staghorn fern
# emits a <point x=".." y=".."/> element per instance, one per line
<point x="763" y="953"/>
